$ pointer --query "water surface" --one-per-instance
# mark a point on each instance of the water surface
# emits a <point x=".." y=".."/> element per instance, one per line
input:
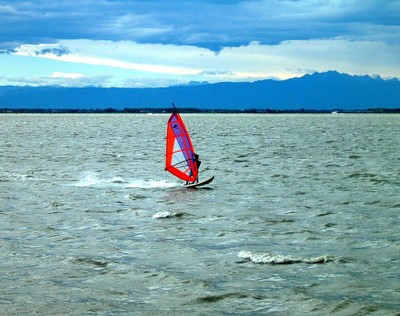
<point x="302" y="217"/>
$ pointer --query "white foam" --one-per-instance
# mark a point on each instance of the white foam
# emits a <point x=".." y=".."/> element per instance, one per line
<point x="268" y="258"/>
<point x="166" y="214"/>
<point x="149" y="184"/>
<point x="93" y="179"/>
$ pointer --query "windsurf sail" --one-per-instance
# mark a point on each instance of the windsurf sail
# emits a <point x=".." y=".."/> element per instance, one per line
<point x="179" y="152"/>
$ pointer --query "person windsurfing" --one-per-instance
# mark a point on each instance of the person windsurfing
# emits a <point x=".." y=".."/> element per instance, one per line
<point x="198" y="163"/>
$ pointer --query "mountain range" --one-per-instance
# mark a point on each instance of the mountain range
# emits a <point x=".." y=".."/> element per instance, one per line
<point x="318" y="91"/>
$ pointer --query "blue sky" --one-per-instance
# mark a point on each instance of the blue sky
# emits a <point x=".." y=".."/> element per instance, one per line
<point x="160" y="43"/>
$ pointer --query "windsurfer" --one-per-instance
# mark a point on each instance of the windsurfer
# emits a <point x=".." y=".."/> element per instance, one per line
<point x="198" y="163"/>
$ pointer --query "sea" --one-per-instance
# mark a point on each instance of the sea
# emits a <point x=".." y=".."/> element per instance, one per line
<point x="302" y="217"/>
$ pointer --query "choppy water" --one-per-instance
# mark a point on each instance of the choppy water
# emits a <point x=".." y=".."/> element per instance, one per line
<point x="302" y="217"/>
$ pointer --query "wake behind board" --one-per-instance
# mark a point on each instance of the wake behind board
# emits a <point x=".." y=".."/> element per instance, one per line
<point x="198" y="184"/>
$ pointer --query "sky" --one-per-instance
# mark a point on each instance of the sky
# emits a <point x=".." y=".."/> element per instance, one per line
<point x="120" y="43"/>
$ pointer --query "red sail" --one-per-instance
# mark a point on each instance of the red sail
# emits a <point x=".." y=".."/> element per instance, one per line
<point x="179" y="152"/>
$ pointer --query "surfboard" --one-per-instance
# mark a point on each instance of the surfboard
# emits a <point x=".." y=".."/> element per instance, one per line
<point x="199" y="184"/>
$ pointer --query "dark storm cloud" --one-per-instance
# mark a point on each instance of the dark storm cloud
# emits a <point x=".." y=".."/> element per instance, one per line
<point x="211" y="24"/>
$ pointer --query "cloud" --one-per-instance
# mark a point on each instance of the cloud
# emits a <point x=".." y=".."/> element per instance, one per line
<point x="63" y="80"/>
<point x="111" y="54"/>
<point x="158" y="43"/>
<point x="57" y="51"/>
<point x="244" y="63"/>
<point x="77" y="80"/>
<point x="209" y="24"/>
<point x="7" y="51"/>
<point x="67" y="75"/>
<point x="217" y="73"/>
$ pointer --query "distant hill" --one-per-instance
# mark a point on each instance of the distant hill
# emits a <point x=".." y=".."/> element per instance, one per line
<point x="319" y="91"/>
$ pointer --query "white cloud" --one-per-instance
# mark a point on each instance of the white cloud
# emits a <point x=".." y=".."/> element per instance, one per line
<point x="144" y="64"/>
<point x="67" y="75"/>
<point x="62" y="80"/>
<point x="106" y="53"/>
<point x="158" y="43"/>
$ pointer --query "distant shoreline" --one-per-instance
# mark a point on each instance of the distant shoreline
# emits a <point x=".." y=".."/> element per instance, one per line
<point x="193" y="110"/>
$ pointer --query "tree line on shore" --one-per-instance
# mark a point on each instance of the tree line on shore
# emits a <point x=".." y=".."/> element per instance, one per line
<point x="190" y="110"/>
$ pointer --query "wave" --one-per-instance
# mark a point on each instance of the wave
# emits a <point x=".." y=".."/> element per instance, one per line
<point x="21" y="177"/>
<point x="90" y="261"/>
<point x="95" y="180"/>
<point x="149" y="184"/>
<point x="216" y="298"/>
<point x="167" y="214"/>
<point x="268" y="258"/>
